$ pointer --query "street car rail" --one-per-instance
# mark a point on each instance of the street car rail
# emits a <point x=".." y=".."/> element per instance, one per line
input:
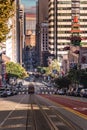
<point x="55" y="119"/>
<point x="30" y="121"/>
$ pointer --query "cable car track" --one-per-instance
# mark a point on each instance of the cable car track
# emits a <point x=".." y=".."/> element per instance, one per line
<point x="54" y="119"/>
<point x="35" y="113"/>
<point x="30" y="115"/>
<point x="31" y="122"/>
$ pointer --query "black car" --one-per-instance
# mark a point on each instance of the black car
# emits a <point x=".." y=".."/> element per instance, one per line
<point x="4" y="94"/>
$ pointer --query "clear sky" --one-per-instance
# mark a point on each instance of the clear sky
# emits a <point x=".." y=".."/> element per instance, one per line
<point x="30" y="5"/>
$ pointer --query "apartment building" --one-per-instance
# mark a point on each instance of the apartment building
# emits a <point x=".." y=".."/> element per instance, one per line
<point x="61" y="14"/>
<point x="83" y="21"/>
<point x="78" y="55"/>
<point x="59" y="26"/>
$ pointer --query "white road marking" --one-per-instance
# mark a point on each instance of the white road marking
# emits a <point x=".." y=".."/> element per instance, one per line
<point x="80" y="108"/>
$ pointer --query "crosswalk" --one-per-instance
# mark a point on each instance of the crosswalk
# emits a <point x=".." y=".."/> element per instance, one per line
<point x="41" y="90"/>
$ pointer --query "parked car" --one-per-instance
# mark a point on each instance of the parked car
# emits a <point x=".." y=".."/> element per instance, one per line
<point x="9" y="92"/>
<point x="70" y="92"/>
<point x="61" y="92"/>
<point x="15" y="92"/>
<point x="77" y="91"/>
<point x="83" y="92"/>
<point x="1" y="91"/>
<point x="4" y="93"/>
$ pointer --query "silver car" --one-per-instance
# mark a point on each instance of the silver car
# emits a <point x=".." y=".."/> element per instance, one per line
<point x="83" y="92"/>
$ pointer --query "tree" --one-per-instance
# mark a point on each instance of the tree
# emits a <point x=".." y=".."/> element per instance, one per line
<point x="62" y="82"/>
<point x="78" y="76"/>
<point x="72" y="74"/>
<point x="83" y="79"/>
<point x="6" y="11"/>
<point x="15" y="70"/>
<point x="53" y="66"/>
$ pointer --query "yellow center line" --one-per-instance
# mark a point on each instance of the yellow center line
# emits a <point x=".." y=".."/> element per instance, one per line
<point x="69" y="109"/>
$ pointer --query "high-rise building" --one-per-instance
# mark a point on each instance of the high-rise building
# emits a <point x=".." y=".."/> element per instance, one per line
<point x="59" y="26"/>
<point x="42" y="17"/>
<point x="42" y="10"/>
<point x="14" y="45"/>
<point x="11" y="43"/>
<point x="83" y="20"/>
<point x="44" y="43"/>
<point x="30" y="28"/>
<point x="61" y="14"/>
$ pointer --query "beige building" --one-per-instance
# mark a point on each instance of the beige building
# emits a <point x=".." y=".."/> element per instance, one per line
<point x="30" y="27"/>
<point x="61" y="14"/>
<point x="15" y="44"/>
<point x="30" y="40"/>
<point x="59" y="26"/>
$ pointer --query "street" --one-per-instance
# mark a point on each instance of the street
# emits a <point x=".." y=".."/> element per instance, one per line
<point x="41" y="112"/>
<point x="43" y="65"/>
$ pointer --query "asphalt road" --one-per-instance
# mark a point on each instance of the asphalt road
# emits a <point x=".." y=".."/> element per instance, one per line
<point x="38" y="112"/>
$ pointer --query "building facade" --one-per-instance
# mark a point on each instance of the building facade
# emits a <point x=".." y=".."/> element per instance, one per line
<point x="15" y="44"/>
<point x="61" y="14"/>
<point x="59" y="26"/>
<point x="11" y="43"/>
<point x="42" y="17"/>
<point x="30" y="29"/>
<point x="44" y="43"/>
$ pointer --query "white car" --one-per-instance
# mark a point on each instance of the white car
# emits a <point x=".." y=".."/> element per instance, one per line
<point x="83" y="92"/>
<point x="60" y="92"/>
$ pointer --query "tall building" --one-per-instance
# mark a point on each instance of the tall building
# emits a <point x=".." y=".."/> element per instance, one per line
<point x="61" y="14"/>
<point x="42" y="10"/>
<point x="83" y="20"/>
<point x="59" y="26"/>
<point x="30" y="28"/>
<point x="44" y="43"/>
<point x="13" y="42"/>
<point x="14" y="45"/>
<point x="42" y="17"/>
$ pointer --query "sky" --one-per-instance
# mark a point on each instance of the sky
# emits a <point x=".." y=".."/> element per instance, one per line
<point x="30" y="5"/>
